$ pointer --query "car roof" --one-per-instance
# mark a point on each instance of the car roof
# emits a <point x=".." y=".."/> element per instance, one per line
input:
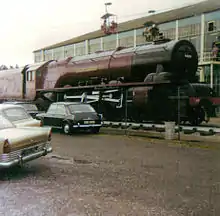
<point x="17" y="102"/>
<point x="69" y="103"/>
<point x="7" y="106"/>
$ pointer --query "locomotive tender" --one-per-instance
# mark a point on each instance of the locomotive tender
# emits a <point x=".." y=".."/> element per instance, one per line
<point x="158" y="61"/>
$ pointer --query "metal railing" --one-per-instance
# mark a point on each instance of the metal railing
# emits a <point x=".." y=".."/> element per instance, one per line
<point x="207" y="57"/>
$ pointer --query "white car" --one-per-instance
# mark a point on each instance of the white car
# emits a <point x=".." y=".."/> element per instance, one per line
<point x="19" y="145"/>
<point x="17" y="115"/>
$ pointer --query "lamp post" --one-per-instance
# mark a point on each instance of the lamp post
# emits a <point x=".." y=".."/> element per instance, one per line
<point x="106" y="6"/>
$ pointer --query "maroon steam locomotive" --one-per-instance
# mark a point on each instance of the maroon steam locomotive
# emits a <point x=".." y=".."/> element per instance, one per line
<point x="160" y="61"/>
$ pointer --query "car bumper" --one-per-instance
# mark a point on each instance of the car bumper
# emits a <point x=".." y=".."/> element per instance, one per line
<point x="87" y="125"/>
<point x="17" y="158"/>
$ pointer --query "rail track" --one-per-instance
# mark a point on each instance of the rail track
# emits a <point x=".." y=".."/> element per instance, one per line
<point x="208" y="130"/>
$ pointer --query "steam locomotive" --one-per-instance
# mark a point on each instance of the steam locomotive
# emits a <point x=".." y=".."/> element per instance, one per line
<point x="177" y="58"/>
<point x="167" y="63"/>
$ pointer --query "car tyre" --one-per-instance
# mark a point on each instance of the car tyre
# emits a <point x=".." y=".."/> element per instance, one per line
<point x="66" y="128"/>
<point x="96" y="130"/>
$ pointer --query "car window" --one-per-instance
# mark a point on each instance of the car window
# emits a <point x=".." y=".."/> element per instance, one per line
<point x="52" y="109"/>
<point x="15" y="114"/>
<point x="4" y="123"/>
<point x="79" y="108"/>
<point x="29" y="107"/>
<point x="60" y="110"/>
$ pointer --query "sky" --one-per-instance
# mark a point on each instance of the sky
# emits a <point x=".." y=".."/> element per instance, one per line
<point x="27" y="25"/>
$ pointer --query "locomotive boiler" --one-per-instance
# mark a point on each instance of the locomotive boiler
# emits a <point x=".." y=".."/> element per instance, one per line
<point x="177" y="58"/>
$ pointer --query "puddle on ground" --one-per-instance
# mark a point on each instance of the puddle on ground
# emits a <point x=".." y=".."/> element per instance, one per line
<point x="69" y="160"/>
<point x="81" y="161"/>
<point x="59" y="157"/>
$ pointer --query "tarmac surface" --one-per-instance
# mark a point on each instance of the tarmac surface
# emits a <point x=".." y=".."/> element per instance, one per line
<point x="114" y="175"/>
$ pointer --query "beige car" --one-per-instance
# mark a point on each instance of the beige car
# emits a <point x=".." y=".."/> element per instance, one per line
<point x="23" y="144"/>
<point x="17" y="115"/>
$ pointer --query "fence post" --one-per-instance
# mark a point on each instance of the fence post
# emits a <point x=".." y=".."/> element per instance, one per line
<point x="126" y="110"/>
<point x="178" y="112"/>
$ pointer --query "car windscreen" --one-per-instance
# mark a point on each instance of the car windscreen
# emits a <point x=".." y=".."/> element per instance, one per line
<point x="29" y="107"/>
<point x="4" y="123"/>
<point x="16" y="113"/>
<point x="80" y="108"/>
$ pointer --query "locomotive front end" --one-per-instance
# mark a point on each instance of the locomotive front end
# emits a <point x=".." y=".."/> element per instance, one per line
<point x="184" y="61"/>
<point x="175" y="60"/>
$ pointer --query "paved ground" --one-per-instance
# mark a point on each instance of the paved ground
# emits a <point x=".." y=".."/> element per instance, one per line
<point x="114" y="175"/>
<point x="214" y="121"/>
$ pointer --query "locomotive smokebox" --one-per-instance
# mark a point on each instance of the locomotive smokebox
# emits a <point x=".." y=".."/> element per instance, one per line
<point x="177" y="57"/>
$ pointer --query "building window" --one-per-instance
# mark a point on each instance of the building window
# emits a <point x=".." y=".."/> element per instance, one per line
<point x="80" y="49"/>
<point x="209" y="39"/>
<point x="94" y="45"/>
<point x="109" y="42"/>
<point x="170" y="33"/>
<point x="215" y="15"/>
<point x="48" y="55"/>
<point x="211" y="26"/>
<point x="126" y="39"/>
<point x="196" y="42"/>
<point x="58" y="53"/>
<point x="37" y="57"/>
<point x="194" y="29"/>
<point x="140" y="39"/>
<point x="69" y="51"/>
<point x="184" y="31"/>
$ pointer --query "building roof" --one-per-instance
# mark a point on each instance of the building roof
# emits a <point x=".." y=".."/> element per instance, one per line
<point x="171" y="15"/>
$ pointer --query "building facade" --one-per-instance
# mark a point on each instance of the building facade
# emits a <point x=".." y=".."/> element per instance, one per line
<point x="199" y="23"/>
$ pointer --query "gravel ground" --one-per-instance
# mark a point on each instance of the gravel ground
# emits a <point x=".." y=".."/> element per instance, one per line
<point x="114" y="175"/>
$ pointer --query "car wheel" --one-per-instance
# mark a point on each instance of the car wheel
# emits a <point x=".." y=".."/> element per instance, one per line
<point x="66" y="128"/>
<point x="96" y="130"/>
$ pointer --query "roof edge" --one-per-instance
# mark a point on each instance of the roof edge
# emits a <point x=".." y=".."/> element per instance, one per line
<point x="99" y="33"/>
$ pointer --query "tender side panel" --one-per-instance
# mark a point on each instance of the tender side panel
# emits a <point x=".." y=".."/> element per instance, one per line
<point x="11" y="84"/>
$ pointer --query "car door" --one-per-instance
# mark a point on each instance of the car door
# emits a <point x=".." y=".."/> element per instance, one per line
<point x="60" y="115"/>
<point x="50" y="115"/>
